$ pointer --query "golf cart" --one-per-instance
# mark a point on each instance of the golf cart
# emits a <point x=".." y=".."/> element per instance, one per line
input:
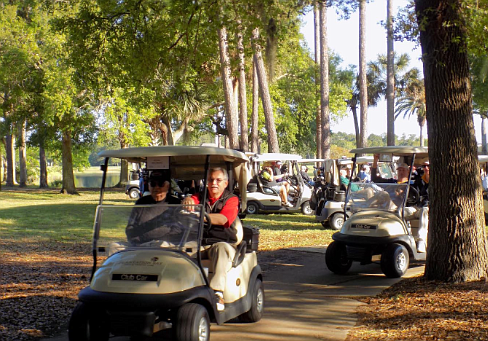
<point x="161" y="283"/>
<point x="483" y="160"/>
<point x="330" y="194"/>
<point x="377" y="225"/>
<point x="262" y="198"/>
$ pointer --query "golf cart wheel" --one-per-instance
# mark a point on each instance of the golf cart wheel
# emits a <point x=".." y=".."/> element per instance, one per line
<point x="84" y="325"/>
<point x="325" y="224"/>
<point x="252" y="208"/>
<point x="192" y="323"/>
<point x="257" y="306"/>
<point x="306" y="209"/>
<point x="336" y="221"/>
<point x="134" y="193"/>
<point x="336" y="258"/>
<point x="395" y="261"/>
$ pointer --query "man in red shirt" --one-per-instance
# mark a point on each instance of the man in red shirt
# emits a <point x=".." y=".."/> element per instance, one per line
<point x="226" y="231"/>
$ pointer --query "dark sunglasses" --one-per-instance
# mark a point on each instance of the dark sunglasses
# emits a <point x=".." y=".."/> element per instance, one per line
<point x="158" y="182"/>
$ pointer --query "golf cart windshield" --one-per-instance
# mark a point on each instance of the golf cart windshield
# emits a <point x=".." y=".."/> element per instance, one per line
<point x="172" y="227"/>
<point x="371" y="196"/>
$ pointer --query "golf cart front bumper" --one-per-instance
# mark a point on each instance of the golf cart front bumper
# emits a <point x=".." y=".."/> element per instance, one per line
<point x="363" y="248"/>
<point x="137" y="314"/>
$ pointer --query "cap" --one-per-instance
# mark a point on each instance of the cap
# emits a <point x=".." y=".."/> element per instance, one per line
<point x="426" y="163"/>
<point x="402" y="165"/>
<point x="158" y="174"/>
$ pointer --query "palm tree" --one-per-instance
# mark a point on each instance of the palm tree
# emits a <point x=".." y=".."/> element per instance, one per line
<point x="412" y="101"/>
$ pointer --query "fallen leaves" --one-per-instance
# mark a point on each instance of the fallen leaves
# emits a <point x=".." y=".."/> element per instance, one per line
<point x="38" y="287"/>
<point x="416" y="309"/>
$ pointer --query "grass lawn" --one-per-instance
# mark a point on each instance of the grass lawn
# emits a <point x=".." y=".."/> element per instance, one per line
<point x="46" y="216"/>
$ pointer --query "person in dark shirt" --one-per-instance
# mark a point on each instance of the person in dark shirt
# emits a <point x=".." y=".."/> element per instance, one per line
<point x="149" y="223"/>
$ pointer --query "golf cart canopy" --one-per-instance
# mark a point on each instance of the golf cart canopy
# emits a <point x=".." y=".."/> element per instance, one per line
<point x="482" y="159"/>
<point x="275" y="157"/>
<point x="186" y="162"/>
<point x="421" y="153"/>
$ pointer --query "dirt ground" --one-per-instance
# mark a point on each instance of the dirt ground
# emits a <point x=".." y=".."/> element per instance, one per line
<point x="39" y="284"/>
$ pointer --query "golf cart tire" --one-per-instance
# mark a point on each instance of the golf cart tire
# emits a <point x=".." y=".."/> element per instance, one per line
<point x="192" y="323"/>
<point x="134" y="193"/>
<point x="336" y="221"/>
<point x="252" y="208"/>
<point x="395" y="261"/>
<point x="336" y="258"/>
<point x="306" y="209"/>
<point x="84" y="325"/>
<point x="325" y="224"/>
<point x="257" y="304"/>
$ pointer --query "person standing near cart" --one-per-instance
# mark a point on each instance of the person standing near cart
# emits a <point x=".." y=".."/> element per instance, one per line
<point x="225" y="233"/>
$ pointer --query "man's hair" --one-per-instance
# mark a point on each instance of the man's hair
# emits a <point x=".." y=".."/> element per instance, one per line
<point x="220" y="169"/>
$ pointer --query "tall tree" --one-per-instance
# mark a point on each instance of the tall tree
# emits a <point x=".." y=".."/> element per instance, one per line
<point x="324" y="82"/>
<point x="316" y="20"/>
<point x="273" y="146"/>
<point x="230" y="105"/>
<point x="363" y="85"/>
<point x="412" y="101"/>
<point x="244" y="142"/>
<point x="457" y="249"/>
<point x="390" y="77"/>
<point x="255" y="111"/>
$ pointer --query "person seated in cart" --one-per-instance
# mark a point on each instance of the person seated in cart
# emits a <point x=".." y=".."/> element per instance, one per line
<point x="422" y="212"/>
<point x="149" y="223"/>
<point x="226" y="230"/>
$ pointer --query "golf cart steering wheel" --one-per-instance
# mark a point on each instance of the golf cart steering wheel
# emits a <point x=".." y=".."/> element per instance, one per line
<point x="413" y="196"/>
<point x="207" y="225"/>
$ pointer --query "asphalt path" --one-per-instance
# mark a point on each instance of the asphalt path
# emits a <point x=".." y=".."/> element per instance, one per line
<point x="303" y="299"/>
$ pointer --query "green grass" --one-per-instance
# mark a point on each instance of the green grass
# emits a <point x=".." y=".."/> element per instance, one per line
<point x="36" y="216"/>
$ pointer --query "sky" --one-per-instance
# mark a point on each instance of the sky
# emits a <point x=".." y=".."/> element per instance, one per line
<point x="343" y="38"/>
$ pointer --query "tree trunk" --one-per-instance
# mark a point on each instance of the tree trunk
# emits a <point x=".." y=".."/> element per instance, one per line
<point x="255" y="111"/>
<point x="316" y="20"/>
<point x="484" y="145"/>
<point x="10" y="151"/>
<point x="43" y="167"/>
<point x="390" y="78"/>
<point x="230" y="108"/>
<point x="324" y="82"/>
<point x="421" y="121"/>
<point x="22" y="155"/>
<point x="68" y="176"/>
<point x="242" y="93"/>
<point x="457" y="248"/>
<point x="273" y="146"/>
<point x="124" y="166"/>
<point x="354" y="109"/>
<point x="363" y="82"/>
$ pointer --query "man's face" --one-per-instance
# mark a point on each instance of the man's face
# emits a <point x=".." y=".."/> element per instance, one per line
<point x="158" y="188"/>
<point x="216" y="184"/>
<point x="402" y="173"/>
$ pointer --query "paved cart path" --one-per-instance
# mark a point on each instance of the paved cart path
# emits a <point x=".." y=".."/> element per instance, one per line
<point x="303" y="299"/>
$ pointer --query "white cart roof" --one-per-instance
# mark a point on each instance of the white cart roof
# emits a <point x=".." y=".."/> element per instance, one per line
<point x="395" y="150"/>
<point x="185" y="162"/>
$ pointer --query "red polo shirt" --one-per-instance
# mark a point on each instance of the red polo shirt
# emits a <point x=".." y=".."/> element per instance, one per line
<point x="230" y="209"/>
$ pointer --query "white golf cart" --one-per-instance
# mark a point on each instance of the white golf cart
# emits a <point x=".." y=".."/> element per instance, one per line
<point x="262" y="198"/>
<point x="377" y="225"/>
<point x="331" y="194"/>
<point x="161" y="283"/>
<point x="483" y="160"/>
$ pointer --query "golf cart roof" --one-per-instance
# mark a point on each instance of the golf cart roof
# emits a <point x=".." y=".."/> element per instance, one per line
<point x="276" y="157"/>
<point x="310" y="160"/>
<point x="185" y="162"/>
<point x="395" y="150"/>
<point x="482" y="158"/>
